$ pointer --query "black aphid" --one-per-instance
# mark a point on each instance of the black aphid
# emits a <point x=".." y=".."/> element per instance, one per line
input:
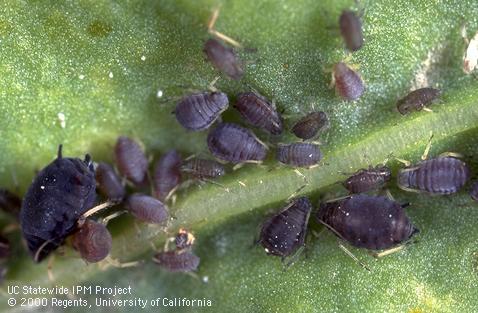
<point x="199" y="111"/>
<point x="131" y="160"/>
<point x="235" y="144"/>
<point x="177" y="261"/>
<point x="368" y="179"/>
<point x="93" y="241"/>
<point x="202" y="168"/>
<point x="284" y="233"/>
<point x="474" y="191"/>
<point x="348" y="83"/>
<point x="147" y="209"/>
<point x="167" y="174"/>
<point x="443" y="175"/>
<point x="299" y="154"/>
<point x="308" y="126"/>
<point x="351" y="30"/>
<point x="370" y="222"/>
<point x="417" y="100"/>
<point x="61" y="192"/>
<point x="109" y="183"/>
<point x="259" y="112"/>
<point x="10" y="202"/>
<point x="223" y="58"/>
<point x="184" y="239"/>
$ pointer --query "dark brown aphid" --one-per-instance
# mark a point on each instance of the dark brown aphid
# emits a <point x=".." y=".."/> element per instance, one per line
<point x="147" y="209"/>
<point x="351" y="30"/>
<point x="10" y="202"/>
<point x="177" y="261"/>
<point x="442" y="175"/>
<point x="370" y="222"/>
<point x="199" y="111"/>
<point x="284" y="233"/>
<point x="4" y="248"/>
<point x="348" y="84"/>
<point x="202" y="168"/>
<point x="235" y="144"/>
<point x="308" y="126"/>
<point x="93" y="241"/>
<point x="367" y="179"/>
<point x="417" y="100"/>
<point x="109" y="183"/>
<point x="259" y="112"/>
<point x="131" y="160"/>
<point x="167" y="174"/>
<point x="474" y="191"/>
<point x="299" y="154"/>
<point x="184" y="239"/>
<point x="223" y="58"/>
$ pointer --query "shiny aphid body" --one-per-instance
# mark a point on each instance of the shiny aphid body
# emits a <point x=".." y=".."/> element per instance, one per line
<point x="147" y="209"/>
<point x="109" y="183"/>
<point x="199" y="111"/>
<point x="59" y="195"/>
<point x="259" y="112"/>
<point x="367" y="179"/>
<point x="177" y="260"/>
<point x="351" y="30"/>
<point x="308" y="126"/>
<point x="223" y="58"/>
<point x="131" y="160"/>
<point x="442" y="175"/>
<point x="370" y="222"/>
<point x="284" y="233"/>
<point x="299" y="154"/>
<point x="10" y="202"/>
<point x="235" y="144"/>
<point x="417" y="100"/>
<point x="348" y="84"/>
<point x="93" y="241"/>
<point x="202" y="168"/>
<point x="167" y="174"/>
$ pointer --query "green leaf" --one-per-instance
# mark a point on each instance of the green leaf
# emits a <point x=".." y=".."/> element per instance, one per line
<point x="102" y="64"/>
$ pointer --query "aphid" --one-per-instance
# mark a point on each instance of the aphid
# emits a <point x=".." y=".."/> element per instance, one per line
<point x="351" y="30"/>
<point x="184" y="239"/>
<point x="167" y="174"/>
<point x="4" y="248"/>
<point x="284" y="233"/>
<point x="223" y="58"/>
<point x="371" y="222"/>
<point x="442" y="175"/>
<point x="199" y="111"/>
<point x="131" y="160"/>
<point x="367" y="179"/>
<point x="474" y="191"/>
<point x="308" y="126"/>
<point x="109" y="183"/>
<point x="348" y="83"/>
<point x="147" y="209"/>
<point x="202" y="168"/>
<point x="10" y="202"/>
<point x="177" y="261"/>
<point x="233" y="143"/>
<point x="417" y="100"/>
<point x="93" y="241"/>
<point x="259" y="112"/>
<point x="57" y="198"/>
<point x="300" y="154"/>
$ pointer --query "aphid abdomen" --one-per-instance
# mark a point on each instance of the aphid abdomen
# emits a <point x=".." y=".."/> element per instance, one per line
<point x="308" y="126"/>
<point x="299" y="154"/>
<point x="351" y="30"/>
<point x="93" y="241"/>
<point x="131" y="160"/>
<point x="366" y="180"/>
<point x="167" y="174"/>
<point x="257" y="111"/>
<point x="147" y="209"/>
<point x="223" y="58"/>
<point x="109" y="183"/>
<point x="348" y="83"/>
<point x="177" y="261"/>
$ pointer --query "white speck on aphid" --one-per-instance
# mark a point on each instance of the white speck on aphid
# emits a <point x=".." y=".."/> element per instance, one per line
<point x="42" y="187"/>
<point x="143" y="58"/>
<point x="110" y="75"/>
<point x="159" y="94"/>
<point x="81" y="76"/>
<point x="62" y="119"/>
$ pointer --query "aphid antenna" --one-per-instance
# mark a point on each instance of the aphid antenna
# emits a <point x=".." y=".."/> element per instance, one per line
<point x="427" y="148"/>
<point x="215" y="183"/>
<point x="214" y="32"/>
<point x="427" y="110"/>
<point x="350" y="254"/>
<point x="296" y="192"/>
<point x="108" y="218"/>
<point x="455" y="155"/>
<point x="95" y="210"/>
<point x="338" y="199"/>
<point x="171" y="193"/>
<point x="404" y="162"/>
<point x="36" y="257"/>
<point x="290" y="260"/>
<point x="212" y="84"/>
<point x="388" y="194"/>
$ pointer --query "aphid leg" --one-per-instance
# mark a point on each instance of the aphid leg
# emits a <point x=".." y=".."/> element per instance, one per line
<point x="427" y="148"/>
<point x="212" y="84"/>
<point x="427" y="109"/>
<point x="289" y="260"/>
<point x="387" y="252"/>
<point x="332" y="80"/>
<point x="95" y="210"/>
<point x="51" y="277"/>
<point x="39" y="250"/>
<point x="171" y="193"/>
<point x="388" y="194"/>
<point x="212" y="31"/>
<point x="116" y="263"/>
<point x="452" y="155"/>
<point x="336" y="199"/>
<point x="350" y="254"/>
<point x="108" y="218"/>
<point x="404" y="162"/>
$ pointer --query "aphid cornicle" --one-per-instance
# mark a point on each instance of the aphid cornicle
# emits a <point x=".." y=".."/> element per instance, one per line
<point x="109" y="183"/>
<point x="202" y="168"/>
<point x="146" y="208"/>
<point x="235" y="144"/>
<point x="351" y="30"/>
<point x="10" y="202"/>
<point x="223" y="58"/>
<point x="61" y="192"/>
<point x="371" y="222"/>
<point x="177" y="261"/>
<point x="259" y="112"/>
<point x="131" y="160"/>
<point x="284" y="233"/>
<point x="199" y="111"/>
<point x="348" y="83"/>
<point x="299" y="154"/>
<point x="167" y="174"/>
<point x="442" y="175"/>
<point x="368" y="179"/>
<point x="308" y="126"/>
<point x="417" y="100"/>
<point x="93" y="241"/>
